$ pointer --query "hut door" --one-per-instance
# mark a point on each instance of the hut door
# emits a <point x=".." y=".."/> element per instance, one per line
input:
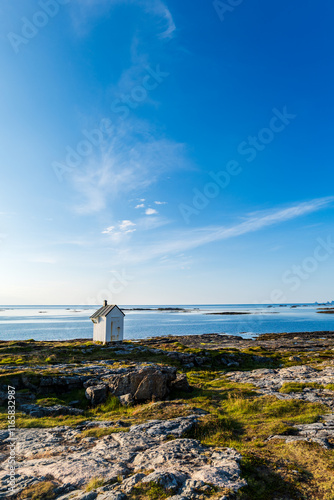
<point x="111" y="339"/>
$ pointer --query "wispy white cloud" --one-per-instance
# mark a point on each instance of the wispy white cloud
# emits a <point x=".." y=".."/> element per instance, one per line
<point x="203" y="236"/>
<point x="160" y="10"/>
<point x="193" y="238"/>
<point x="151" y="211"/>
<point x="177" y="261"/>
<point x="126" y="224"/>
<point x="129" y="161"/>
<point x="153" y="222"/>
<point x="117" y="233"/>
<point x="108" y="230"/>
<point x="135" y="154"/>
<point x="86" y="11"/>
<point x="126" y="227"/>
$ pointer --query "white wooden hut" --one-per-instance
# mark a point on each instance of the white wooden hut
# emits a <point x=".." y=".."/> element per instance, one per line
<point x="108" y="324"/>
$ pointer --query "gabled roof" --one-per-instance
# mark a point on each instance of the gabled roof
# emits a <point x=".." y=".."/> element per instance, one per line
<point x="105" y="310"/>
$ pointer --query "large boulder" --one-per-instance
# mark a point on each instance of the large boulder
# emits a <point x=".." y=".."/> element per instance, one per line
<point x="150" y="382"/>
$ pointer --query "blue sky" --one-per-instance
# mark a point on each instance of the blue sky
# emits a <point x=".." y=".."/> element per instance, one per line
<point x="160" y="152"/>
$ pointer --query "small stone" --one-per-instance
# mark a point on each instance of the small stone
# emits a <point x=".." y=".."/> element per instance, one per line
<point x="126" y="400"/>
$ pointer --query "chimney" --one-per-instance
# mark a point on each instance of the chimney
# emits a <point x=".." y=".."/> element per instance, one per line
<point x="105" y="303"/>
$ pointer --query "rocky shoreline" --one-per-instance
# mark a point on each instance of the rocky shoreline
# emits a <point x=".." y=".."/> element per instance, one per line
<point x="165" y="417"/>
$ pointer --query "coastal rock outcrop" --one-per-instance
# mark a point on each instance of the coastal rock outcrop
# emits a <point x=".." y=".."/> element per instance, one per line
<point x="143" y="454"/>
<point x="135" y="382"/>
<point x="312" y="383"/>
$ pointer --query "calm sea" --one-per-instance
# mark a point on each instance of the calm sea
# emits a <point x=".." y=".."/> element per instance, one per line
<point x="70" y="322"/>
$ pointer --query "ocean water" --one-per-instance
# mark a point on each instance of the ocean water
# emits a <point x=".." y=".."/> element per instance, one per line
<point x="71" y="322"/>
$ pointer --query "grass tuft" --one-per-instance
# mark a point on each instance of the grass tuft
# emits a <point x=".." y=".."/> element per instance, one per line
<point x="39" y="491"/>
<point x="149" y="491"/>
<point x="95" y="483"/>
<point x="298" y="387"/>
<point x="98" y="432"/>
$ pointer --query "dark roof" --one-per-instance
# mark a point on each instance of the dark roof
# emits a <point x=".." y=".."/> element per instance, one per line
<point x="104" y="311"/>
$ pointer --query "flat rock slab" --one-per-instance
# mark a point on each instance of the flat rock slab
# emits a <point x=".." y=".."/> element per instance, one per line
<point x="61" y="453"/>
<point x="77" y="468"/>
<point x="53" y="441"/>
<point x="157" y="428"/>
<point x="49" y="411"/>
<point x="270" y="381"/>
<point x="187" y="458"/>
<point x="319" y="432"/>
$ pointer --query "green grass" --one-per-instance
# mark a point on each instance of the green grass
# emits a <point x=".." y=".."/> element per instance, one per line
<point x="12" y="360"/>
<point x="98" y="432"/>
<point x="289" y="387"/>
<point x="112" y="405"/>
<point x="25" y="421"/>
<point x="65" y="399"/>
<point x="150" y="491"/>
